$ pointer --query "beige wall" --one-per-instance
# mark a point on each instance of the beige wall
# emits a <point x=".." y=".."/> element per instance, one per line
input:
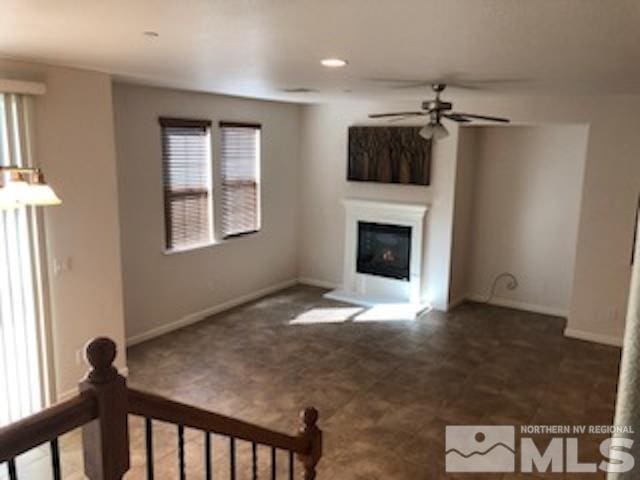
<point x="74" y="144"/>
<point x="523" y="194"/>
<point x="462" y="241"/>
<point x="164" y="291"/>
<point x="605" y="229"/>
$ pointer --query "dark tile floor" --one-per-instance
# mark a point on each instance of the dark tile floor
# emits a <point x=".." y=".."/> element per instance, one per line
<point x="385" y="389"/>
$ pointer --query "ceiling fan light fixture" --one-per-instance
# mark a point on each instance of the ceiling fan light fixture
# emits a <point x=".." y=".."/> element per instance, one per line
<point x="434" y="131"/>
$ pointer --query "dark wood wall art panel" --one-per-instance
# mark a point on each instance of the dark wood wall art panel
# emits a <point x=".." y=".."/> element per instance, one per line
<point x="389" y="155"/>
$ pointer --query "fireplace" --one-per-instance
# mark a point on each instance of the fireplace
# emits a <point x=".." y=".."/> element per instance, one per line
<point x="384" y="250"/>
<point x="382" y="264"/>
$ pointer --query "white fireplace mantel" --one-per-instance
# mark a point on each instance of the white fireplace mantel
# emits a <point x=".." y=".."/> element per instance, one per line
<point x="372" y="290"/>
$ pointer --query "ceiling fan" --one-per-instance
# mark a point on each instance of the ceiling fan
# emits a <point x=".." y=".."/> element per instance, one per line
<point x="436" y="110"/>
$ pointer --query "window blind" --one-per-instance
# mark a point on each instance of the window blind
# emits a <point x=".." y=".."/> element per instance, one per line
<point x="240" y="170"/>
<point x="21" y="373"/>
<point x="186" y="161"/>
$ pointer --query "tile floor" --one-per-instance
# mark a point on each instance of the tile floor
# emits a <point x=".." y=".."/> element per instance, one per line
<point x="385" y="389"/>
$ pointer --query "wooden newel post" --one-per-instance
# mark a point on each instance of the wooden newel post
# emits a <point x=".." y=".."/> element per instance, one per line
<point x="105" y="440"/>
<point x="313" y="435"/>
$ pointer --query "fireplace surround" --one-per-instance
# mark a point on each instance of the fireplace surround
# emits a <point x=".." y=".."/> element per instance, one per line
<point x="383" y="254"/>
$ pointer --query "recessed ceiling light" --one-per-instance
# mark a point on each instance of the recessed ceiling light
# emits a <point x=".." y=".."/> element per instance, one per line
<point x="333" y="62"/>
<point x="151" y="34"/>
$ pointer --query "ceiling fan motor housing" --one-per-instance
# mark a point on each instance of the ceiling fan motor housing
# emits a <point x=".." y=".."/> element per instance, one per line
<point x="437" y="105"/>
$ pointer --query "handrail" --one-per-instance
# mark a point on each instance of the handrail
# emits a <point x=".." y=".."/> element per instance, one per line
<point x="46" y="425"/>
<point x="160" y="408"/>
<point x="102" y="410"/>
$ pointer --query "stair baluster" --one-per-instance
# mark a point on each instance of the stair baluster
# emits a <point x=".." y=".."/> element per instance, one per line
<point x="181" y="463"/>
<point x="273" y="463"/>
<point x="11" y="465"/>
<point x="55" y="459"/>
<point x="148" y="437"/>
<point x="207" y="455"/>
<point x="232" y="457"/>
<point x="254" y="461"/>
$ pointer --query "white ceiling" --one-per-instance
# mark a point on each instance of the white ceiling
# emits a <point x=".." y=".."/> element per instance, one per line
<point x="258" y="47"/>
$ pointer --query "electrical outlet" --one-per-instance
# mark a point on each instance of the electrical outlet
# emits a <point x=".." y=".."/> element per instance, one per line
<point x="61" y="265"/>
<point x="79" y="357"/>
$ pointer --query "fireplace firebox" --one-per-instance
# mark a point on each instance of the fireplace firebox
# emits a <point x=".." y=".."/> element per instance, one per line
<point x="384" y="250"/>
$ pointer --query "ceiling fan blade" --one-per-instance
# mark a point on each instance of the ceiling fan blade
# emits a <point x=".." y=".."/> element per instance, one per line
<point x="481" y="117"/>
<point x="407" y="84"/>
<point x="424" y="84"/>
<point x="402" y="82"/>
<point x="456" y="80"/>
<point x="400" y="118"/>
<point x="456" y="117"/>
<point x="396" y="114"/>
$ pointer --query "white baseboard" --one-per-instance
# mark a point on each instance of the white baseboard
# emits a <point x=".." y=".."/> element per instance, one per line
<point x="314" y="282"/>
<point x="207" y="312"/>
<point x="611" y="340"/>
<point x="69" y="394"/>
<point x="527" y="307"/>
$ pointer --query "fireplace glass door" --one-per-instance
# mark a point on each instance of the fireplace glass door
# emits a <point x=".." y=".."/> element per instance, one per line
<point x="384" y="250"/>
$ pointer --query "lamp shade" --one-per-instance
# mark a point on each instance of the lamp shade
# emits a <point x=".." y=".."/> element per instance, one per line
<point x="13" y="193"/>
<point x="16" y="191"/>
<point x="41" y="195"/>
<point x="7" y="200"/>
<point x="435" y="131"/>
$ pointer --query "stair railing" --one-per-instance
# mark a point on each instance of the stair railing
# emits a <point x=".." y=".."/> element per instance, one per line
<point x="102" y="408"/>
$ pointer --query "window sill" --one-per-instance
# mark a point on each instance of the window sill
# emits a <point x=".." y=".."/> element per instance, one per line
<point x="241" y="234"/>
<point x="215" y="243"/>
<point x="190" y="248"/>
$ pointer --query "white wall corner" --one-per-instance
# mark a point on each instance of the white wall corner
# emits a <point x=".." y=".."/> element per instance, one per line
<point x="604" y="339"/>
<point x="456" y="302"/>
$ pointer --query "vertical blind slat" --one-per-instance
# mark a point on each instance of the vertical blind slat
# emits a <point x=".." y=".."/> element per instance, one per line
<point x="20" y="372"/>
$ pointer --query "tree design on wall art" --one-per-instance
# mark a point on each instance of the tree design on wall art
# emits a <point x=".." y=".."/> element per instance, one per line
<point x="389" y="155"/>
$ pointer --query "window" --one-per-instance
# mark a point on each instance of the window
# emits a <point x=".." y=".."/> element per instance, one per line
<point x="186" y="161"/>
<point x="22" y="383"/>
<point x="240" y="169"/>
